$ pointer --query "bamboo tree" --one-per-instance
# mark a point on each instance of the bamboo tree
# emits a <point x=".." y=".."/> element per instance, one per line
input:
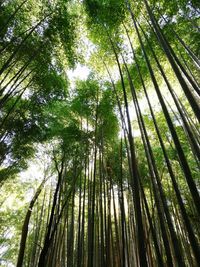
<point x="172" y="58"/>
<point x="178" y="194"/>
<point x="140" y="231"/>
<point x="183" y="161"/>
<point x="26" y="223"/>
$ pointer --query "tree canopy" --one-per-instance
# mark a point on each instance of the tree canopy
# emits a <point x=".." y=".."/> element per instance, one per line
<point x="101" y="170"/>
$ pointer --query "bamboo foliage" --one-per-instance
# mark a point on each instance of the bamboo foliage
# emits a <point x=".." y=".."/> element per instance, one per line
<point x="123" y="145"/>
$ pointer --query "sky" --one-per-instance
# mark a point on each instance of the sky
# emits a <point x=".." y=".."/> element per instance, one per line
<point x="80" y="72"/>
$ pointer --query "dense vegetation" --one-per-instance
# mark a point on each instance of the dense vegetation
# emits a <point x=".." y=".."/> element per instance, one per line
<point x="104" y="170"/>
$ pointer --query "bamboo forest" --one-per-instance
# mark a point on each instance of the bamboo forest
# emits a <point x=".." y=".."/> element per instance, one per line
<point x="99" y="133"/>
